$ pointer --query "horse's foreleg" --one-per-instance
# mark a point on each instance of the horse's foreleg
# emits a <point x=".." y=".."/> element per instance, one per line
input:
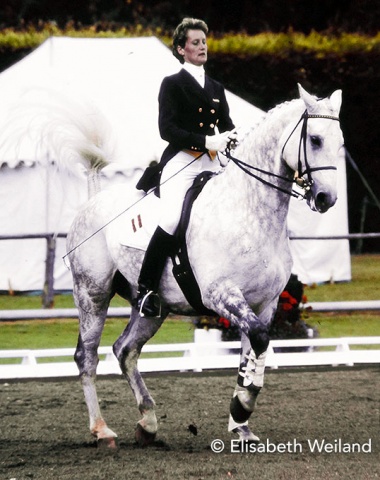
<point x="255" y="341"/>
<point x="127" y="349"/>
<point x="249" y="383"/>
<point x="230" y="302"/>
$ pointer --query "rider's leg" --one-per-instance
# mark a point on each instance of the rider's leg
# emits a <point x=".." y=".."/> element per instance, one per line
<point x="161" y="246"/>
<point x="177" y="177"/>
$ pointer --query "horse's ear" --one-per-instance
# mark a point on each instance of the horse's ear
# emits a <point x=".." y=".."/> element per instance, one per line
<point x="309" y="100"/>
<point x="336" y="100"/>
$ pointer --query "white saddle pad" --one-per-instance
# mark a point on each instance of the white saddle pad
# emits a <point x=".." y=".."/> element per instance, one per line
<point x="139" y="223"/>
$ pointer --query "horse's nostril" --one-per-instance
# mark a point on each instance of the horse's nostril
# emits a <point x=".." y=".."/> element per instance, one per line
<point x="321" y="198"/>
<point x="323" y="201"/>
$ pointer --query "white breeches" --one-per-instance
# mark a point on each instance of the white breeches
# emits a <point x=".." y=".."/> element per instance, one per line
<point x="177" y="177"/>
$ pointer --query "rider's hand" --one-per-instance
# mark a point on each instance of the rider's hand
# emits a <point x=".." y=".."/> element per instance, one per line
<point x="219" y="141"/>
<point x="233" y="139"/>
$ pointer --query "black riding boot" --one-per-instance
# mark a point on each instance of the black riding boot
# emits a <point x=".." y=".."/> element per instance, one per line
<point x="160" y="247"/>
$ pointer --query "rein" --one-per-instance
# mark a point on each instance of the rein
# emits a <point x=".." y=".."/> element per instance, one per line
<point x="300" y="181"/>
<point x="303" y="183"/>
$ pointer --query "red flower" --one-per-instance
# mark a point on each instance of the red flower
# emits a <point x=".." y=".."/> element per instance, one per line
<point x="285" y="294"/>
<point x="287" y="306"/>
<point x="224" y="322"/>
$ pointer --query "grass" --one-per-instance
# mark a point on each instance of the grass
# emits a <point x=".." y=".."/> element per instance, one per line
<point x="61" y="333"/>
<point x="330" y="325"/>
<point x="365" y="271"/>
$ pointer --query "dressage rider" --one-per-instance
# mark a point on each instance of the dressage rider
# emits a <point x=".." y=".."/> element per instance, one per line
<point x="194" y="119"/>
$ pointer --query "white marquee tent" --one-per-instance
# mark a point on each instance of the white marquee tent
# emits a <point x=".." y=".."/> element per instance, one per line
<point x="121" y="78"/>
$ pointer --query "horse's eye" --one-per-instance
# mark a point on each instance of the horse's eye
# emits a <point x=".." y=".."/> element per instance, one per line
<point x="316" y="142"/>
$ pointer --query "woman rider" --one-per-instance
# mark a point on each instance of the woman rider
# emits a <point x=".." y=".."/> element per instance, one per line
<point x="194" y="119"/>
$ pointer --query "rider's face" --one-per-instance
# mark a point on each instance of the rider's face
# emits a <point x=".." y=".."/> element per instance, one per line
<point x="195" y="49"/>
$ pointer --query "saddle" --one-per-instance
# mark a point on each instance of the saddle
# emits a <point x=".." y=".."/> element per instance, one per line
<point x="182" y="270"/>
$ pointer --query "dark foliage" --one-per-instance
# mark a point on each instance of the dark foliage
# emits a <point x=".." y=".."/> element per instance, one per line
<point x="288" y="321"/>
<point x="253" y="16"/>
<point x="267" y="81"/>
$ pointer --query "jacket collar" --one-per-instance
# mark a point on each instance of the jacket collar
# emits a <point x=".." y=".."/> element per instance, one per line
<point x="197" y="72"/>
<point x="188" y="81"/>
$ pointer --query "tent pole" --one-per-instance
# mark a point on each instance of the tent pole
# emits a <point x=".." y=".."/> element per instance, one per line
<point x="359" y="245"/>
<point x="365" y="183"/>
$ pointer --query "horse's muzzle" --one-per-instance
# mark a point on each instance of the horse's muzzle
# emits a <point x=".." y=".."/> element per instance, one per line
<point x="320" y="201"/>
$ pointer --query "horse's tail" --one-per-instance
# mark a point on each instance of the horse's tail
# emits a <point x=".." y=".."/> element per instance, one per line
<point x="69" y="132"/>
<point x="82" y="136"/>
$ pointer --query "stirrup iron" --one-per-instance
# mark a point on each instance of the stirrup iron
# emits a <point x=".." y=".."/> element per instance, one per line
<point x="145" y="297"/>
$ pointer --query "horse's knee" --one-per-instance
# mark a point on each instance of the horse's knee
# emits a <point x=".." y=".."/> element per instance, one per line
<point x="257" y="332"/>
<point x="259" y="338"/>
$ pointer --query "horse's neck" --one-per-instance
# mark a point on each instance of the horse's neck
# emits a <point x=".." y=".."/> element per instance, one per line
<point x="262" y="149"/>
<point x="238" y="206"/>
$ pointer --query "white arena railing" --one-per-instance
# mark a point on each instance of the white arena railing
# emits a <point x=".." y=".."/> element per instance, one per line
<point x="126" y="311"/>
<point x="195" y="357"/>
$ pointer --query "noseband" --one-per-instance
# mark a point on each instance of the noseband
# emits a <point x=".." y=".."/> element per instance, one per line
<point x="305" y="184"/>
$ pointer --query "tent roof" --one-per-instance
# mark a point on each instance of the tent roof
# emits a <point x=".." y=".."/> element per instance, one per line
<point x="119" y="76"/>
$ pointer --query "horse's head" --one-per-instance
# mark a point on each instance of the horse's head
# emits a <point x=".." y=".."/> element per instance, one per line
<point x="313" y="148"/>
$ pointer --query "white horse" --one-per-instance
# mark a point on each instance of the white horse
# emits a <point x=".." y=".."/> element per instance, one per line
<point x="238" y="247"/>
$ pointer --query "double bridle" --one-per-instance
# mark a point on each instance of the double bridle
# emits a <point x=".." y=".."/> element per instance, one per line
<point x="304" y="183"/>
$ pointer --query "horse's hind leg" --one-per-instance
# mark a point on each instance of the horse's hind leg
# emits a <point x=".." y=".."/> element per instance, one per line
<point x="92" y="316"/>
<point x="127" y="349"/>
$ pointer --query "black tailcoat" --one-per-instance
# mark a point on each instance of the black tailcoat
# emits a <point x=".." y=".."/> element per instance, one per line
<point x="187" y="113"/>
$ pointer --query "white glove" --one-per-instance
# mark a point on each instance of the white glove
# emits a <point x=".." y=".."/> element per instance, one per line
<point x="233" y="139"/>
<point x="218" y="142"/>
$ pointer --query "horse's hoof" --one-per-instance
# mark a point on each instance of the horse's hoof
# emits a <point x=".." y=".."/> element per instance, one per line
<point x="144" y="438"/>
<point x="110" y="442"/>
<point x="246" y="435"/>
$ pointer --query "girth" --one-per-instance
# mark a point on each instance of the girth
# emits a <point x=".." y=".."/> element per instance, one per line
<point x="182" y="270"/>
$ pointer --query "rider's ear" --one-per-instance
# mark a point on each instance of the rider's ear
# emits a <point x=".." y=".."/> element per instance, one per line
<point x="309" y="100"/>
<point x="180" y="50"/>
<point x="336" y="100"/>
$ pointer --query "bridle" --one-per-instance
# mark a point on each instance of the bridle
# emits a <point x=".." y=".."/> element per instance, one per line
<point x="304" y="183"/>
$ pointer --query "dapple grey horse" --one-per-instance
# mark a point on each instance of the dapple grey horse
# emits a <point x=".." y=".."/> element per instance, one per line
<point x="238" y="247"/>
